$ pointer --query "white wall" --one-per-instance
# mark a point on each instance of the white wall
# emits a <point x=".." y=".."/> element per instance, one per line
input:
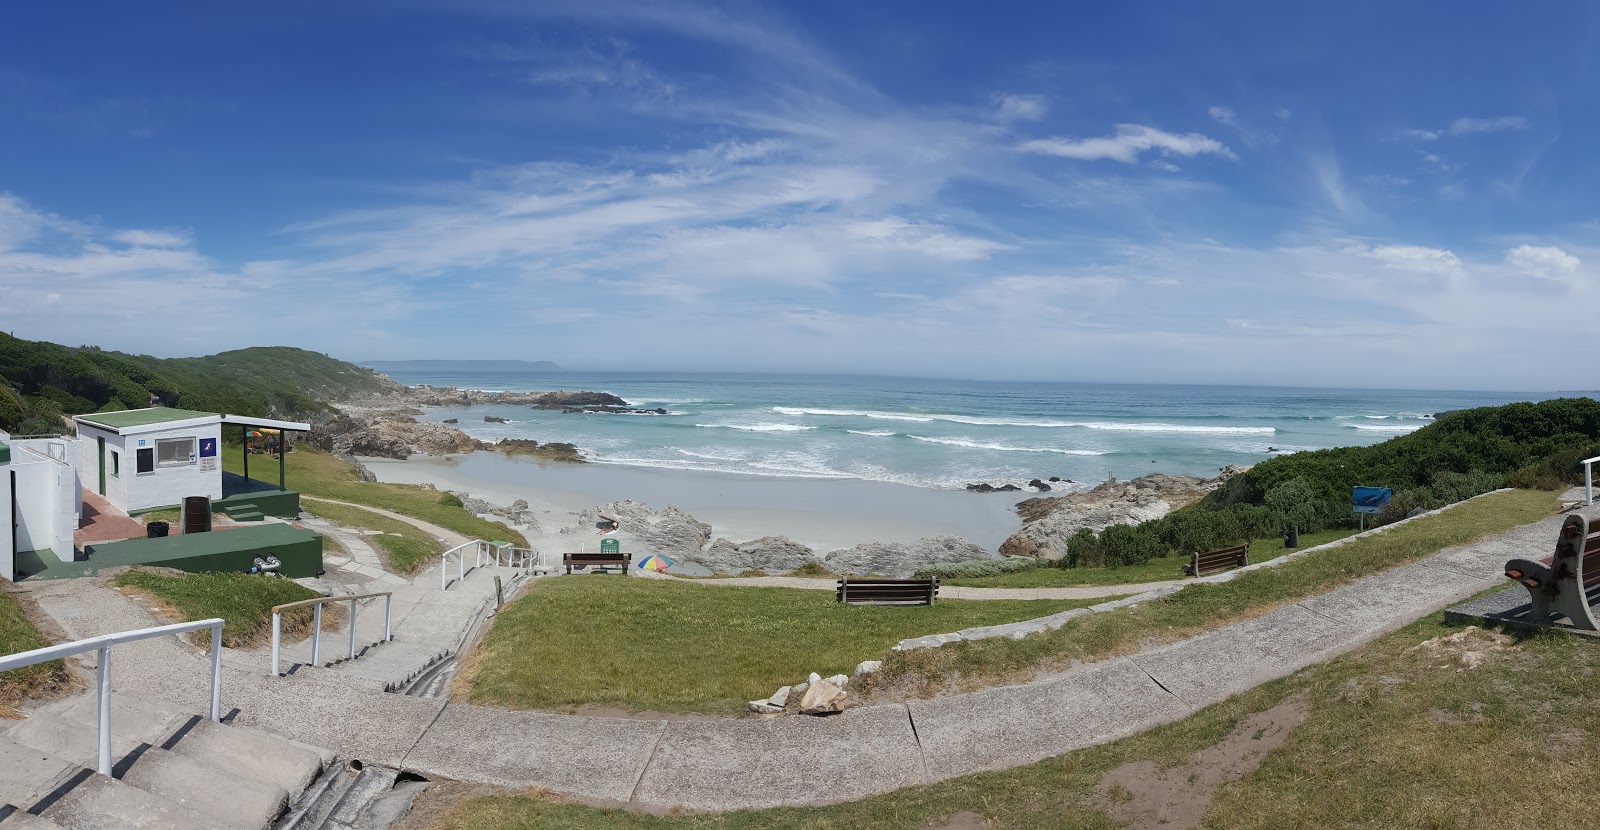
<point x="8" y="568"/>
<point x="44" y="503"/>
<point x="166" y="485"/>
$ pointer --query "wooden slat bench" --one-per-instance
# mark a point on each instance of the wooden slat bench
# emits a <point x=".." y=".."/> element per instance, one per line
<point x="1211" y="562"/>
<point x="872" y="591"/>
<point x="1557" y="584"/>
<point x="620" y="561"/>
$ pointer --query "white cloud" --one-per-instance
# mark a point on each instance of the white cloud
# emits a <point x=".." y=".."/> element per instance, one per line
<point x="1163" y="164"/>
<point x="1127" y="144"/>
<point x="1543" y="261"/>
<point x="1415" y="258"/>
<point x="151" y="239"/>
<point x="1223" y="115"/>
<point x="1472" y="126"/>
<point x="1013" y="107"/>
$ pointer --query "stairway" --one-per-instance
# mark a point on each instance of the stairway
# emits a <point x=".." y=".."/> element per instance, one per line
<point x="170" y="770"/>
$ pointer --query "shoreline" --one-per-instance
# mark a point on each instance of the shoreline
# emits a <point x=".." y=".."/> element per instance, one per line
<point x="825" y="514"/>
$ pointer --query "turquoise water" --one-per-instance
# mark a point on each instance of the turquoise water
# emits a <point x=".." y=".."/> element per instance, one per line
<point x="945" y="433"/>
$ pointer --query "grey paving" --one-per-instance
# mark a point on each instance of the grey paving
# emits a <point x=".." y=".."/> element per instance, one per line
<point x="1225" y="662"/>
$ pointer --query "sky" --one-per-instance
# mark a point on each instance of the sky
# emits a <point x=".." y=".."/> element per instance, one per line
<point x="1343" y="194"/>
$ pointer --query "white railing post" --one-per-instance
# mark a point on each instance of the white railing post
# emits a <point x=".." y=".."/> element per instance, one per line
<point x="103" y="697"/>
<point x="1588" y="480"/>
<point x="352" y="630"/>
<point x="216" y="674"/>
<point x="316" y="633"/>
<point x="388" y="603"/>
<point x="277" y="637"/>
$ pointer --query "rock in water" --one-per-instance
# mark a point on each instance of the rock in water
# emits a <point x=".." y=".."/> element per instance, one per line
<point x="822" y="698"/>
<point x="1048" y="522"/>
<point x="645" y="530"/>
<point x="773" y="554"/>
<point x="901" y="560"/>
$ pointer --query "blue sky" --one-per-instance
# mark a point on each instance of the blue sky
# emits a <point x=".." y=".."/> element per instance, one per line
<point x="1362" y="194"/>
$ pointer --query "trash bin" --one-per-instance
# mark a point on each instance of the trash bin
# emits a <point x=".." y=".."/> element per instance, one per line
<point x="1292" y="538"/>
<point x="156" y="530"/>
<point x="196" y="514"/>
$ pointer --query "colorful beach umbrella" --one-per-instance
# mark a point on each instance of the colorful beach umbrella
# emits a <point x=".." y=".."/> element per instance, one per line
<point x="655" y="562"/>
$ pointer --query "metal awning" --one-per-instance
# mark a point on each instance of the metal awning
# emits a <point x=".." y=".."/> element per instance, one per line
<point x="265" y="423"/>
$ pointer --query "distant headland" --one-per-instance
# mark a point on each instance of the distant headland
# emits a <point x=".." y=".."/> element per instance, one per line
<point x="463" y="365"/>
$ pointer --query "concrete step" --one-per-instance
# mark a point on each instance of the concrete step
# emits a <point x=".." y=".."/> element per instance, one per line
<point x="250" y="803"/>
<point x="70" y="796"/>
<point x="392" y="664"/>
<point x="13" y="817"/>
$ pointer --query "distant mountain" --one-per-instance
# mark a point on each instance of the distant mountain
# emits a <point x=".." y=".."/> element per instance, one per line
<point x="463" y="365"/>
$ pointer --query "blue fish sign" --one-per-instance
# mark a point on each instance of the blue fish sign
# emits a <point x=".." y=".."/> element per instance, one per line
<point x="1369" y="499"/>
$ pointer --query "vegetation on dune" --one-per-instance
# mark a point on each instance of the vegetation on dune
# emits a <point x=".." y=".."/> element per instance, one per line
<point x="1397" y="734"/>
<point x="673" y="646"/>
<point x="243" y="601"/>
<point x="18" y="634"/>
<point x="319" y="474"/>
<point x="44" y="381"/>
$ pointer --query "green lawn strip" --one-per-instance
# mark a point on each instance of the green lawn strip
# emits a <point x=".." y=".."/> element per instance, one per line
<point x="664" y="646"/>
<point x="320" y="474"/>
<point x="18" y="634"/>
<point x="243" y="601"/>
<point x="1395" y="736"/>
<point x="406" y="545"/>
<point x="1203" y="607"/>
<point x="1156" y="570"/>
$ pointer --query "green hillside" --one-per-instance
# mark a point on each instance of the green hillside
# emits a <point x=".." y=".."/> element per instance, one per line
<point x="44" y="381"/>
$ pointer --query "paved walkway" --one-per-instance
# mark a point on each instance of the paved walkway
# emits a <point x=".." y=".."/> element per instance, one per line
<point x="949" y="591"/>
<point x="754" y="763"/>
<point x="449" y="537"/>
<point x="101" y="522"/>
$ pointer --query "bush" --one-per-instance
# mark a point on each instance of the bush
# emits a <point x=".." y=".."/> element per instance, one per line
<point x="1293" y="504"/>
<point x="1129" y="545"/>
<point x="976" y="568"/>
<point x="1083" y="550"/>
<point x="812" y="568"/>
<point x="1556" y="471"/>
<point x="450" y="500"/>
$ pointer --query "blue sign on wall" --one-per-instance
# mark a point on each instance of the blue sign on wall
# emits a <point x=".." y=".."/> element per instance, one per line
<point x="1369" y="499"/>
<point x="208" y="448"/>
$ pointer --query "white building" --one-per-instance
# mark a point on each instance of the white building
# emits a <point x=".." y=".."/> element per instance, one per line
<point x="142" y="459"/>
<point x="39" y="490"/>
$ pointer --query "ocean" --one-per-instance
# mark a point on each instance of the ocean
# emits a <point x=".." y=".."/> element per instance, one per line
<point x="942" y="434"/>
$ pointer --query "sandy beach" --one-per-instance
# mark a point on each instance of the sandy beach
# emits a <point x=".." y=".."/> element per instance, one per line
<point x="824" y="513"/>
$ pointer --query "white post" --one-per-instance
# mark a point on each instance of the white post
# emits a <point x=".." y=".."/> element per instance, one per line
<point x="277" y="634"/>
<point x="461" y="566"/>
<point x="216" y="672"/>
<point x="1588" y="480"/>
<point x="316" y="632"/>
<point x="444" y="568"/>
<point x="103" y="677"/>
<point x="352" y="630"/>
<point x="388" y="602"/>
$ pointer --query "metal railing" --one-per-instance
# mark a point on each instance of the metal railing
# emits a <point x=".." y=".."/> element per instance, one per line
<point x="103" y="644"/>
<point x="502" y="554"/>
<point x="316" y="624"/>
<point x="460" y="553"/>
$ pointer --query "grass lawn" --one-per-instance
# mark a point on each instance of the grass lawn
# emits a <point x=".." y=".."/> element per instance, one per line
<point x="243" y="601"/>
<point x="1156" y="570"/>
<point x="405" y="545"/>
<point x="671" y="646"/>
<point x="1395" y="735"/>
<point x="1202" y="607"/>
<point x="17" y="634"/>
<point x="320" y="474"/>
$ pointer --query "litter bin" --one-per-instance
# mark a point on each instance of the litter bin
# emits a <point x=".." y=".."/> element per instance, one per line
<point x="156" y="530"/>
<point x="1291" y="539"/>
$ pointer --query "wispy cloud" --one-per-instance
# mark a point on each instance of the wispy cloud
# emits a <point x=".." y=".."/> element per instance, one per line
<point x="1223" y="115"/>
<point x="1012" y="107"/>
<point x="1127" y="144"/>
<point x="1471" y="126"/>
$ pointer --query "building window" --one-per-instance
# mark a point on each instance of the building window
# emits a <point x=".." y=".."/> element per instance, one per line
<point x="145" y="460"/>
<point x="173" y="452"/>
<point x="116" y="464"/>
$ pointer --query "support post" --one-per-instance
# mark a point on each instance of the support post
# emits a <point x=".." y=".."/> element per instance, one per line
<point x="277" y="638"/>
<point x="216" y="674"/>
<point x="244" y="444"/>
<point x="316" y="632"/>
<point x="283" y="451"/>
<point x="352" y="630"/>
<point x="388" y="603"/>
<point x="103" y="698"/>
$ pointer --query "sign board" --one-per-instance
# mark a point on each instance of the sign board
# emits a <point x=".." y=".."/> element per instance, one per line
<point x="1369" y="499"/>
<point x="208" y="448"/>
<point x="610" y="546"/>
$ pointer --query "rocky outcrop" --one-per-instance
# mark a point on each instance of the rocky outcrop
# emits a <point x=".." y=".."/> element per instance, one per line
<point x="391" y="437"/>
<point x="986" y="487"/>
<point x="495" y="419"/>
<point x="549" y="450"/>
<point x="519" y="514"/>
<point x="773" y="554"/>
<point x="644" y="529"/>
<point x="1049" y="521"/>
<point x="901" y="560"/>
<point x="575" y="400"/>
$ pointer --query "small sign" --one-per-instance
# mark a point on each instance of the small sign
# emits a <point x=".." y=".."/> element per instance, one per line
<point x="141" y="442"/>
<point x="208" y="447"/>
<point x="610" y="546"/>
<point x="1369" y="499"/>
<point x="209" y="464"/>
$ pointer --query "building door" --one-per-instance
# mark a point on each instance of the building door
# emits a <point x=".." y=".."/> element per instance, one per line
<point x="102" y="442"/>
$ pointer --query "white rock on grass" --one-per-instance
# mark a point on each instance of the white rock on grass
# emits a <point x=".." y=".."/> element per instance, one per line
<point x="823" y="697"/>
<point x="838" y="680"/>
<point x="800" y="688"/>
<point x="780" y="697"/>
<point x="867" y="667"/>
<point x="762" y="707"/>
<point x="814" y="678"/>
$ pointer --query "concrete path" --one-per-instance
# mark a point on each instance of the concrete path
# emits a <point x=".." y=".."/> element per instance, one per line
<point x="449" y="537"/>
<point x="948" y="591"/>
<point x="754" y="763"/>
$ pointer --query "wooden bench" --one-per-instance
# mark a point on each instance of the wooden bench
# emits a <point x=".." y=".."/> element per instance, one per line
<point x="867" y="591"/>
<point x="620" y="561"/>
<point x="1211" y="562"/>
<point x="1558" y="584"/>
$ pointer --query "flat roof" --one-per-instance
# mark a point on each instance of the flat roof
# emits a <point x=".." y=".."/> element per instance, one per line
<point x="142" y="417"/>
<point x="265" y="423"/>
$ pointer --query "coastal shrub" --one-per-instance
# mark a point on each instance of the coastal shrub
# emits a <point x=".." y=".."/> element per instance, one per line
<point x="976" y="568"/>
<point x="1556" y="471"/>
<point x="1293" y="504"/>
<point x="1450" y="487"/>
<point x="1083" y="550"/>
<point x="450" y="500"/>
<point x="752" y="572"/>
<point x="1129" y="545"/>
<point x="1402" y="503"/>
<point x="812" y="568"/>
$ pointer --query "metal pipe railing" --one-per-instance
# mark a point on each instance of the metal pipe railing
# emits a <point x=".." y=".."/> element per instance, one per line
<point x="1588" y="479"/>
<point x="316" y="624"/>
<point x="460" y="552"/>
<point x="103" y="644"/>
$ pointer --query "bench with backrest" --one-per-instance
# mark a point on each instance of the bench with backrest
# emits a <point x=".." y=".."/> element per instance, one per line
<point x="875" y="591"/>
<point x="1211" y="562"/>
<point x="600" y="561"/>
<point x="1558" y="584"/>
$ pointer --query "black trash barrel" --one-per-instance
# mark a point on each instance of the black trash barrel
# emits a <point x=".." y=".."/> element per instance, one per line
<point x="155" y="530"/>
<point x="196" y="514"/>
<point x="1292" y="538"/>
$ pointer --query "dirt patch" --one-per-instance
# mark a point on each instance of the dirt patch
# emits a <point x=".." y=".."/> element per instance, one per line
<point x="1141" y="796"/>
<point x="1466" y="649"/>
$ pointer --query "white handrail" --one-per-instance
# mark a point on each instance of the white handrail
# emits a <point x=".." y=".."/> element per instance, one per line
<point x="1588" y="479"/>
<point x="316" y="623"/>
<point x="460" y="552"/>
<point x="103" y="644"/>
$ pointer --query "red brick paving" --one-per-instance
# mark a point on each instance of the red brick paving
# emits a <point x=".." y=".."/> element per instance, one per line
<point x="103" y="523"/>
